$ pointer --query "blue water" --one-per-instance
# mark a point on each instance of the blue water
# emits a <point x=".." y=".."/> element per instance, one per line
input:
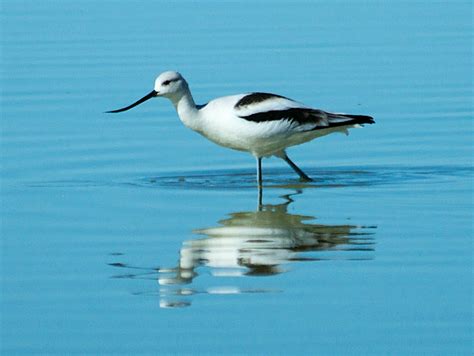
<point x="131" y="234"/>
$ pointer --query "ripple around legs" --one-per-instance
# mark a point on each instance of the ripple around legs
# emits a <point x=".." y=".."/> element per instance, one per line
<point x="322" y="178"/>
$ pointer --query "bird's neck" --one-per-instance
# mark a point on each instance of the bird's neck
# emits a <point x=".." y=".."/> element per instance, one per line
<point x="186" y="108"/>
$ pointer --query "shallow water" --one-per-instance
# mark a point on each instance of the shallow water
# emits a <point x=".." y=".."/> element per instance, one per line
<point x="130" y="234"/>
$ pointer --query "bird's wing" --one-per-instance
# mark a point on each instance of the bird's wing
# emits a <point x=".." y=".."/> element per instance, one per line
<point x="254" y="103"/>
<point x="264" y="107"/>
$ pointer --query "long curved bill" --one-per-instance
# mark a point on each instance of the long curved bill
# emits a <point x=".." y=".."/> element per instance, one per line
<point x="150" y="95"/>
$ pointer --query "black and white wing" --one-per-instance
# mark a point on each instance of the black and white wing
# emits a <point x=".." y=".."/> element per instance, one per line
<point x="265" y="107"/>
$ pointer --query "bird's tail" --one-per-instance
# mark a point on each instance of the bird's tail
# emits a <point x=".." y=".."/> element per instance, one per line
<point x="348" y="119"/>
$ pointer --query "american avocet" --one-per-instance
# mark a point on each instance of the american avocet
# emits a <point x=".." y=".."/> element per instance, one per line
<point x="262" y="124"/>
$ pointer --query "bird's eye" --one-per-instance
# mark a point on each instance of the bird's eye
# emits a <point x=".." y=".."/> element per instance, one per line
<point x="166" y="82"/>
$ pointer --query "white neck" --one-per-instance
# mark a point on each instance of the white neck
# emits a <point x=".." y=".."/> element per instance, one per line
<point x="186" y="109"/>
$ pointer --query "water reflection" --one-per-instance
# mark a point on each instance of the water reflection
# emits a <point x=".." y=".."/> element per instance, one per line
<point x="252" y="243"/>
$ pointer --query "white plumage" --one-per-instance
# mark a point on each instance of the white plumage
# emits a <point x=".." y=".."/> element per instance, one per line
<point x="262" y="124"/>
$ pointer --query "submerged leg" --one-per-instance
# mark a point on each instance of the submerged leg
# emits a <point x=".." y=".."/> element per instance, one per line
<point x="302" y="174"/>
<point x="259" y="198"/>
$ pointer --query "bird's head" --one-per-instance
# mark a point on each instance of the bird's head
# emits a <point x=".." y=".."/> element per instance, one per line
<point x="168" y="84"/>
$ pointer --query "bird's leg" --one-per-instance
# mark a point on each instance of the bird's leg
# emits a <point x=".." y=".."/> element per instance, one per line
<point x="259" y="182"/>
<point x="302" y="174"/>
<point x="259" y="171"/>
<point x="260" y="198"/>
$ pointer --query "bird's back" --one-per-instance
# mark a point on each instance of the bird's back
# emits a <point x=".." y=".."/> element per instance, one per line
<point x="265" y="123"/>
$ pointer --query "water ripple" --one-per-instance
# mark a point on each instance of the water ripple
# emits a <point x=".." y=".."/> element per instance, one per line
<point x="229" y="179"/>
<point x="323" y="178"/>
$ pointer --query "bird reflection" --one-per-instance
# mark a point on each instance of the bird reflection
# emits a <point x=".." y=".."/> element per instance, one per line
<point x="255" y="243"/>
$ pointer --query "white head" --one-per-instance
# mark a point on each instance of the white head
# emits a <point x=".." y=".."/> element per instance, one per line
<point x="168" y="84"/>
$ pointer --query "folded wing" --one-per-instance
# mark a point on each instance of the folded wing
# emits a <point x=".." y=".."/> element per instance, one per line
<point x="265" y="107"/>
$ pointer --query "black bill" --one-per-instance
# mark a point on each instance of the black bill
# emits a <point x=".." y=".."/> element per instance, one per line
<point x="150" y="95"/>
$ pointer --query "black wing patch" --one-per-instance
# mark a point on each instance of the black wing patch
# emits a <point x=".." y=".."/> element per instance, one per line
<point x="298" y="115"/>
<point x="255" y="98"/>
<point x="302" y="116"/>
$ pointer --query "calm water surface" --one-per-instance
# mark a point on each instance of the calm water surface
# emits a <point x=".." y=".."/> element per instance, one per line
<point x="131" y="234"/>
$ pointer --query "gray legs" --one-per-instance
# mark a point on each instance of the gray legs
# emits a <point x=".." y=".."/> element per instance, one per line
<point x="259" y="181"/>
<point x="287" y="159"/>
<point x="302" y="174"/>
<point x="259" y="171"/>
<point x="284" y="156"/>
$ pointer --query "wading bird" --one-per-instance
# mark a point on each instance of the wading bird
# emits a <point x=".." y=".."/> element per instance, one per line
<point x="262" y="124"/>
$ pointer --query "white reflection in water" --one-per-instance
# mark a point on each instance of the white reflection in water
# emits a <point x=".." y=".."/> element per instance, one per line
<point x="254" y="243"/>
